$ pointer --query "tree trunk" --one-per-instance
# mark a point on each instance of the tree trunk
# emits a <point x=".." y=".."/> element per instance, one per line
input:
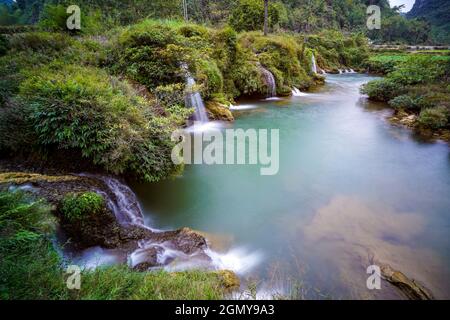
<point x="266" y="17"/>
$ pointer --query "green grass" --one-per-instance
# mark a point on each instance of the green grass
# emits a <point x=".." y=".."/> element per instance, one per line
<point x="119" y="283"/>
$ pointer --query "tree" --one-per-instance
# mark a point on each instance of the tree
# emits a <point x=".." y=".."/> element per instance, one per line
<point x="247" y="15"/>
<point x="266" y="17"/>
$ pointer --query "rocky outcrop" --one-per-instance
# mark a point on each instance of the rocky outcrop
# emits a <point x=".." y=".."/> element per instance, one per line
<point x="404" y="118"/>
<point x="410" y="287"/>
<point x="218" y="111"/>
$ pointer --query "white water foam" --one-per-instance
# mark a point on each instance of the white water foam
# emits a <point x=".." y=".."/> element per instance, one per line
<point x="95" y="257"/>
<point x="205" y="126"/>
<point x="243" y="107"/>
<point x="297" y="93"/>
<point x="239" y="260"/>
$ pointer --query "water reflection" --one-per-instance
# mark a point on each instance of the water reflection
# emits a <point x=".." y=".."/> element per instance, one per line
<point x="354" y="234"/>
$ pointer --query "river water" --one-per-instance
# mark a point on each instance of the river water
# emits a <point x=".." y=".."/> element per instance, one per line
<point x="352" y="190"/>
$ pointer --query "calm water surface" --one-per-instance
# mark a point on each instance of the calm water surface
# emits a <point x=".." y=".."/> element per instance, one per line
<point x="352" y="190"/>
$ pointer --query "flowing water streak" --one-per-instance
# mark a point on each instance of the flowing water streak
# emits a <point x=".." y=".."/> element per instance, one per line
<point x="270" y="82"/>
<point x="194" y="99"/>
<point x="121" y="201"/>
<point x="313" y="64"/>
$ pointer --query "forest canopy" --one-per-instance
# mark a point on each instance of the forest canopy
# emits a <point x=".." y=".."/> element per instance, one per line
<point x="305" y="16"/>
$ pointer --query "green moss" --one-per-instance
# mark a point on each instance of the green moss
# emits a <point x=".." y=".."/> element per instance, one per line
<point x="78" y="207"/>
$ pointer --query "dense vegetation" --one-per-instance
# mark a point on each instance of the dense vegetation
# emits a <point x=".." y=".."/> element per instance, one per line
<point x="30" y="267"/>
<point x="415" y="84"/>
<point x="115" y="100"/>
<point x="56" y="98"/>
<point x="306" y="16"/>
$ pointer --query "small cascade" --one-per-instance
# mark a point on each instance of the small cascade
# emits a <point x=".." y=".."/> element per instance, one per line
<point x="352" y="71"/>
<point x="123" y="203"/>
<point x="297" y="93"/>
<point x="121" y="200"/>
<point x="340" y="71"/>
<point x="126" y="206"/>
<point x="194" y="99"/>
<point x="270" y="82"/>
<point x="313" y="64"/>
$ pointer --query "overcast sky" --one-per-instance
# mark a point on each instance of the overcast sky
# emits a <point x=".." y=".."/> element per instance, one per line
<point x="408" y="4"/>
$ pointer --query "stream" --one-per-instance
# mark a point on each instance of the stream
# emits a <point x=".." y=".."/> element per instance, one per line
<point x="352" y="189"/>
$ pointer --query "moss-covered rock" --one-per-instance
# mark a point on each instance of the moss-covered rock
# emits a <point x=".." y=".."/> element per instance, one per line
<point x="82" y="206"/>
<point x="218" y="111"/>
<point x="19" y="178"/>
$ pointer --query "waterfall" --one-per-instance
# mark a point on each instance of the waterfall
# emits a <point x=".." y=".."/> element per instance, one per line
<point x="126" y="206"/>
<point x="123" y="203"/>
<point x="313" y="64"/>
<point x="340" y="71"/>
<point x="270" y="82"/>
<point x="194" y="99"/>
<point x="121" y="200"/>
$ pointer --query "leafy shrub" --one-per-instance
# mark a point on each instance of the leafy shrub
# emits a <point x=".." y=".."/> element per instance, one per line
<point x="150" y="54"/>
<point x="403" y="102"/>
<point x="82" y="108"/>
<point x="248" y="15"/>
<point x="333" y="49"/>
<point x="382" y="90"/>
<point x="171" y="95"/>
<point x="77" y="207"/>
<point x="418" y="69"/>
<point x="434" y="118"/>
<point x="210" y="76"/>
<point x="40" y="41"/>
<point x="279" y="54"/>
<point x="385" y="63"/>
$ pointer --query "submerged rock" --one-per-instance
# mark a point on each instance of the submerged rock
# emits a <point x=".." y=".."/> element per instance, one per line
<point x="411" y="288"/>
